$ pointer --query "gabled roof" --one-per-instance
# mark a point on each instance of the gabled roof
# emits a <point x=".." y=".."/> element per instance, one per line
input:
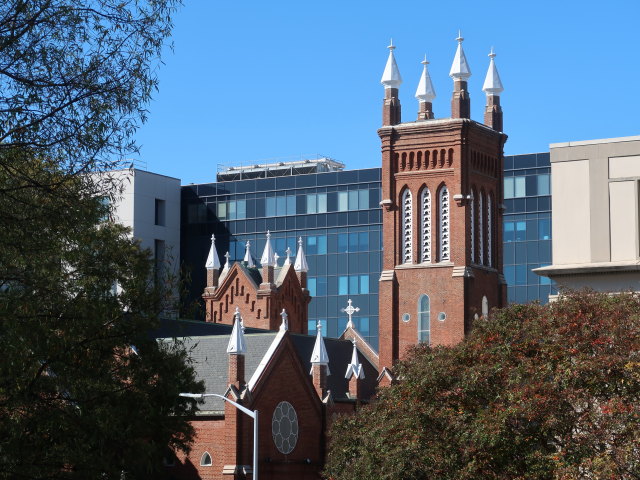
<point x="207" y="344"/>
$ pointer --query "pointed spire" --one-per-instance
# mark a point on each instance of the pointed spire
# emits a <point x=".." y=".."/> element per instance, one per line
<point x="212" y="260"/>
<point x="492" y="83"/>
<point x="301" y="260"/>
<point x="355" y="367"/>
<point x="247" y="255"/>
<point x="284" y="326"/>
<point x="237" y="345"/>
<point x="425" y="91"/>
<point x="319" y="355"/>
<point x="268" y="259"/>
<point x="460" y="67"/>
<point x="391" y="77"/>
<point x="288" y="259"/>
<point x="227" y="265"/>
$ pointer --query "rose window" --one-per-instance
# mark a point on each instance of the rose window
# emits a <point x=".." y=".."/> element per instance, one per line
<point x="284" y="427"/>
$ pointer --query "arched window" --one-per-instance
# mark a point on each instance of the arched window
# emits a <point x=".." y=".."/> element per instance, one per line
<point x="489" y="230"/>
<point x="481" y="228"/>
<point x="425" y="227"/>
<point x="444" y="219"/>
<point x="205" y="460"/>
<point x="473" y="225"/>
<point x="424" y="320"/>
<point x="407" y="230"/>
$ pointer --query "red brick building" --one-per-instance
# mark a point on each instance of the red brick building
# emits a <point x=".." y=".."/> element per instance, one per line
<point x="297" y="382"/>
<point x="442" y="268"/>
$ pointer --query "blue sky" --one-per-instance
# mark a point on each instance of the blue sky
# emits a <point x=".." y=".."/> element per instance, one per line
<point x="251" y="81"/>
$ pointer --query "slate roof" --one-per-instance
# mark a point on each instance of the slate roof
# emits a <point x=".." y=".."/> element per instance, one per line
<point x="207" y="344"/>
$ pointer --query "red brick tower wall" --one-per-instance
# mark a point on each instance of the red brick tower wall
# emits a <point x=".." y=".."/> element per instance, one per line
<point x="461" y="154"/>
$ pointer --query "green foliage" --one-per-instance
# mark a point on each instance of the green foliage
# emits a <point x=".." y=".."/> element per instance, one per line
<point x="75" y="400"/>
<point x="535" y="392"/>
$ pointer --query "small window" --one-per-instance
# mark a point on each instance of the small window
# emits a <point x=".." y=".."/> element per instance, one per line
<point x="442" y="316"/>
<point x="424" y="321"/>
<point x="205" y="460"/>
<point x="160" y="212"/>
<point x="406" y="317"/>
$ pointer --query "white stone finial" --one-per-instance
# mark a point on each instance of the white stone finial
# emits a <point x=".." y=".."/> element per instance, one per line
<point x="213" y="262"/>
<point x="391" y="77"/>
<point x="227" y="265"/>
<point x="268" y="259"/>
<point x="355" y="367"/>
<point x="301" y="261"/>
<point x="460" y="67"/>
<point x="237" y="345"/>
<point x="247" y="255"/>
<point x="425" y="91"/>
<point x="350" y="310"/>
<point x="284" y="326"/>
<point x="492" y="83"/>
<point x="319" y="356"/>
<point x="276" y="257"/>
<point x="288" y="259"/>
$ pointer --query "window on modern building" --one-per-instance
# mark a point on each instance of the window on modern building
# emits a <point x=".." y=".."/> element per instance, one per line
<point x="343" y="201"/>
<point x="407" y="228"/>
<point x="197" y="213"/>
<point x="205" y="460"/>
<point x="425" y="225"/>
<point x="312" y="203"/>
<point x="544" y="229"/>
<point x="543" y="184"/>
<point x="514" y="187"/>
<point x="160" y="212"/>
<point x="444" y="227"/>
<point x="424" y="320"/>
<point x="521" y="231"/>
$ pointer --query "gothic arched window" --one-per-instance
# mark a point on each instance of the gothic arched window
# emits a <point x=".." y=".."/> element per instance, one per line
<point x="489" y="230"/>
<point x="444" y="219"/>
<point x="424" y="320"/>
<point x="481" y="202"/>
<point x="205" y="460"/>
<point x="407" y="227"/>
<point x="473" y="225"/>
<point x="425" y="227"/>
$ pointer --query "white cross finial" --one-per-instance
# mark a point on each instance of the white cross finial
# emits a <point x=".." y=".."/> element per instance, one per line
<point x="288" y="260"/>
<point x="391" y="45"/>
<point x="459" y="39"/>
<point x="319" y="326"/>
<point x="350" y="310"/>
<point x="213" y="237"/>
<point x="425" y="62"/>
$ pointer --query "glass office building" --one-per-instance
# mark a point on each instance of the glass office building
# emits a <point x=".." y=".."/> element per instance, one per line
<point x="527" y="226"/>
<point x="337" y="214"/>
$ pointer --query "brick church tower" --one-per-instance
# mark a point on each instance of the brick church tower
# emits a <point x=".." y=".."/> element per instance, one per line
<point x="442" y="213"/>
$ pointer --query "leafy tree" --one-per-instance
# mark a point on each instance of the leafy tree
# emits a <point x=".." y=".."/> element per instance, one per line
<point x="535" y="392"/>
<point x="85" y="391"/>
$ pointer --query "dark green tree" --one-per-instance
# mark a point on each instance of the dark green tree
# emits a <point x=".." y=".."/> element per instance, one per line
<point x="535" y="392"/>
<point x="85" y="391"/>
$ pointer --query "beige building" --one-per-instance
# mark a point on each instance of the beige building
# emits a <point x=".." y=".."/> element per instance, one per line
<point x="595" y="214"/>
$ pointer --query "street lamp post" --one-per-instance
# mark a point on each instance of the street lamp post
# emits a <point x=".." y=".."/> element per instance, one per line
<point x="252" y="413"/>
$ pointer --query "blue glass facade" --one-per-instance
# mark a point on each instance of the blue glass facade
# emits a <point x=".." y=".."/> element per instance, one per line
<point x="337" y="214"/>
<point x="527" y="226"/>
